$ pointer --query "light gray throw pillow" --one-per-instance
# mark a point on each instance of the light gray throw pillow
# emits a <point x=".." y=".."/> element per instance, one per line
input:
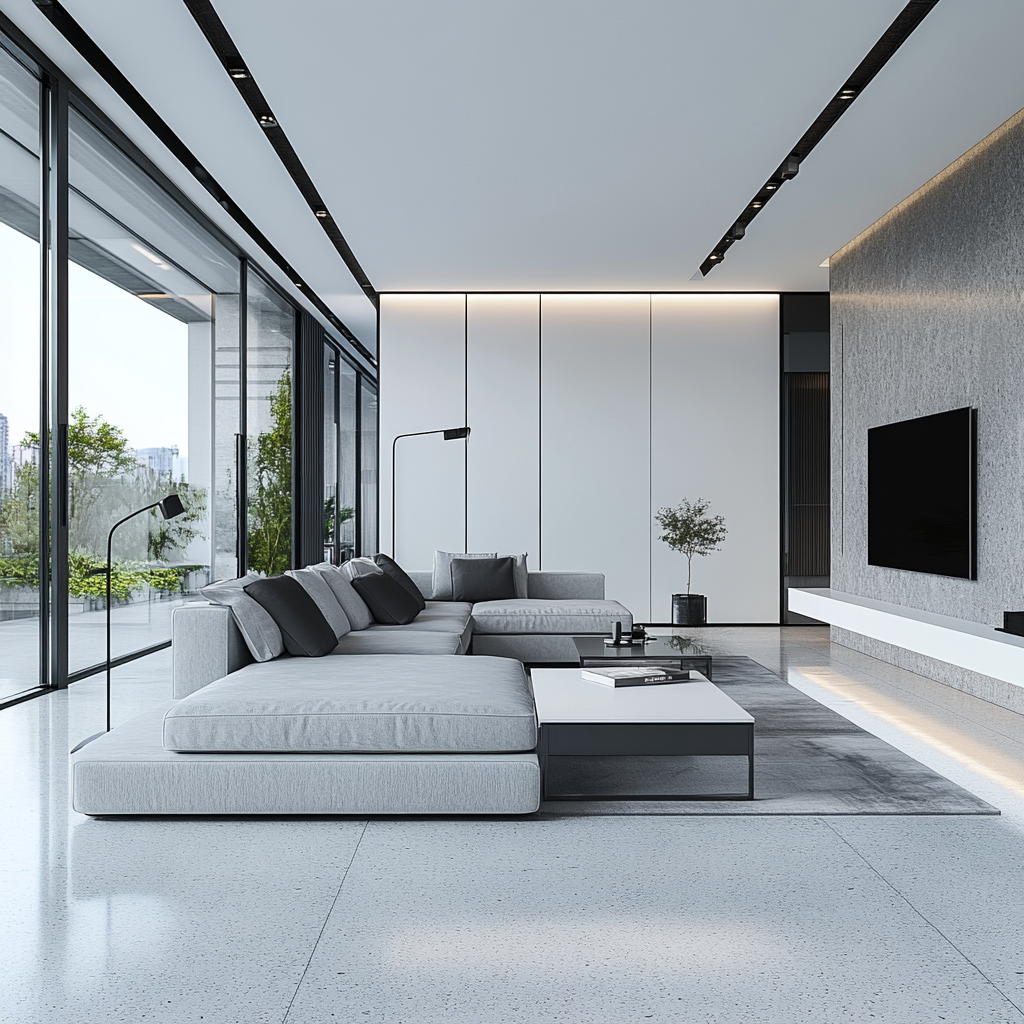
<point x="362" y="566"/>
<point x="520" y="575"/>
<point x="258" y="629"/>
<point x="323" y="597"/>
<point x="442" y="590"/>
<point x="352" y="604"/>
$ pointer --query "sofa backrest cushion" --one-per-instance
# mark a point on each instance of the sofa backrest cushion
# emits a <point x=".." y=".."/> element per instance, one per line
<point x="352" y="604"/>
<point x="259" y="630"/>
<point x="305" y="631"/>
<point x="401" y="577"/>
<point x="443" y="571"/>
<point x="323" y="597"/>
<point x="483" y="579"/>
<point x="389" y="601"/>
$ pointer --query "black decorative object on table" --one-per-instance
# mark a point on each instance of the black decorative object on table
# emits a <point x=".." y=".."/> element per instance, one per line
<point x="450" y="434"/>
<point x="170" y="507"/>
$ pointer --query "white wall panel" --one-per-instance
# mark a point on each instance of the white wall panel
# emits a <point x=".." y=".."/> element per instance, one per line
<point x="595" y="440"/>
<point x="715" y="434"/>
<point x="503" y="408"/>
<point x="423" y="387"/>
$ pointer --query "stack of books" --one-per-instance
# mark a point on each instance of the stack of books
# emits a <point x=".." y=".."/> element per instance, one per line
<point x="635" y="675"/>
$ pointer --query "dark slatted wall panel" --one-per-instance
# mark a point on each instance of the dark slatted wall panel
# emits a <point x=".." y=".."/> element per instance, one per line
<point x="308" y="464"/>
<point x="807" y="484"/>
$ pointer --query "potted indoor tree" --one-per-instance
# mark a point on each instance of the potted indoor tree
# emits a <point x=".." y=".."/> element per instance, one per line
<point x="691" y="531"/>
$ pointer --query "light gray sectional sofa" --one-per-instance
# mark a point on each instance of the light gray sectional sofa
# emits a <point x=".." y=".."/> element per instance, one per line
<point x="409" y="726"/>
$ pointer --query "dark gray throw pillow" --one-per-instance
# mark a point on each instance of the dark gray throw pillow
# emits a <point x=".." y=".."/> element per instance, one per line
<point x="305" y="631"/>
<point x="389" y="602"/>
<point x="401" y="577"/>
<point x="483" y="579"/>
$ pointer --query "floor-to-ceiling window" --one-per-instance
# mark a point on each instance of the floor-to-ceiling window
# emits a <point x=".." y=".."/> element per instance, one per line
<point x="147" y="285"/>
<point x="20" y="375"/>
<point x="269" y="341"/>
<point x="163" y="364"/>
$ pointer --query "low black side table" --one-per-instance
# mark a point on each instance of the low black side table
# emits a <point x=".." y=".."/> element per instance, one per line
<point x="661" y="652"/>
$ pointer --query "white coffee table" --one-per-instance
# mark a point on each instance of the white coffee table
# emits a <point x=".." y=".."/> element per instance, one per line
<point x="578" y="717"/>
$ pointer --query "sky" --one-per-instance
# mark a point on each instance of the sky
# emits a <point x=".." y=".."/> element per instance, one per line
<point x="127" y="360"/>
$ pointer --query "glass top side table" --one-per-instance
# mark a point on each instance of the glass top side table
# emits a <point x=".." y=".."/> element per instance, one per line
<point x="662" y="651"/>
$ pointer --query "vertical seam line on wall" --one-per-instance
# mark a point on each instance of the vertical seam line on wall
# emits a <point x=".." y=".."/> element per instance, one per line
<point x="540" y="435"/>
<point x="650" y="454"/>
<point x="465" y="420"/>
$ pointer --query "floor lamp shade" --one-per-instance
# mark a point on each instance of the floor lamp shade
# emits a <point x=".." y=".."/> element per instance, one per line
<point x="450" y="434"/>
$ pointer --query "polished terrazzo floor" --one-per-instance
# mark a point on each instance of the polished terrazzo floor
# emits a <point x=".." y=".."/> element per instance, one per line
<point x="604" y="919"/>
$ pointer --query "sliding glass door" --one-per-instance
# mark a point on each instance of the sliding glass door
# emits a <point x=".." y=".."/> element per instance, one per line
<point x="21" y="373"/>
<point x="146" y="286"/>
<point x="269" y="343"/>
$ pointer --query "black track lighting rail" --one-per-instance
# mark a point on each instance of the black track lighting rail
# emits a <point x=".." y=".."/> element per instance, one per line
<point x="228" y="54"/>
<point x="878" y="56"/>
<point x="69" y="28"/>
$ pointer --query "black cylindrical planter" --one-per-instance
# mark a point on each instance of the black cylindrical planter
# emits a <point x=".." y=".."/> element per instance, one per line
<point x="689" y="610"/>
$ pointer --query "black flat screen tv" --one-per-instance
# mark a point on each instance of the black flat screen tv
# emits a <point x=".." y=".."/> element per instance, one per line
<point x="921" y="494"/>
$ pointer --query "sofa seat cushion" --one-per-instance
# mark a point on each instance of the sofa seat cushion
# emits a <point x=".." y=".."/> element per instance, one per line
<point x="438" y="617"/>
<point x="399" y="640"/>
<point x="374" y="704"/>
<point x="549" y="617"/>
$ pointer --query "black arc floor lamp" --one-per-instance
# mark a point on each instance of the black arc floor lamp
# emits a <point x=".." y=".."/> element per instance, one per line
<point x="170" y="507"/>
<point x="451" y="434"/>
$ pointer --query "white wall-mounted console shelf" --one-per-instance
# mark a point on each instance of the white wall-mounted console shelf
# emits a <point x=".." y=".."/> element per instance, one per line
<point x="970" y="645"/>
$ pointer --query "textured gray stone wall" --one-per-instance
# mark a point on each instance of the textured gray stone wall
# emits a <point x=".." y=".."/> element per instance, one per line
<point x="927" y="315"/>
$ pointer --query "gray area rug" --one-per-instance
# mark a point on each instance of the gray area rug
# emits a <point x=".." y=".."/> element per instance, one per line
<point x="807" y="760"/>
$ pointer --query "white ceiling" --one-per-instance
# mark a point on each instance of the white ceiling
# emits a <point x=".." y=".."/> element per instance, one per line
<point x="560" y="144"/>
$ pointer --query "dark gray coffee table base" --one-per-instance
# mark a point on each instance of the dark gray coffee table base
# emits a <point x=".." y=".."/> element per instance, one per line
<point x="632" y="739"/>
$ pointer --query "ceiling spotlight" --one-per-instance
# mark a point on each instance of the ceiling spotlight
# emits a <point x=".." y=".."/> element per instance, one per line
<point x="267" y="121"/>
<point x="847" y="94"/>
<point x="737" y="231"/>
<point x="790" y="168"/>
<point x="771" y="186"/>
<point x="756" y="204"/>
<point x="321" y="214"/>
<point x="238" y="73"/>
<point x="714" y="256"/>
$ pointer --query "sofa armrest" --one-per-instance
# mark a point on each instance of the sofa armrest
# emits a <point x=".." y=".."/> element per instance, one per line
<point x="557" y="586"/>
<point x="424" y="581"/>
<point x="205" y="645"/>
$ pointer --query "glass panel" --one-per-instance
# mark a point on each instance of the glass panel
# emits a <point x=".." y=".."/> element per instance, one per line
<point x="331" y="511"/>
<point x="368" y="468"/>
<point x="152" y="299"/>
<point x="19" y="378"/>
<point x="269" y="337"/>
<point x="348" y="382"/>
